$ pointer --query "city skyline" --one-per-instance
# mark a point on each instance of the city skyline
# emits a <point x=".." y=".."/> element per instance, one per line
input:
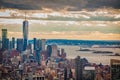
<point x="59" y="39"/>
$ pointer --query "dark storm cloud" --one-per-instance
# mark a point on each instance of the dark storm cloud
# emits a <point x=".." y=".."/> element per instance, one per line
<point x="59" y="4"/>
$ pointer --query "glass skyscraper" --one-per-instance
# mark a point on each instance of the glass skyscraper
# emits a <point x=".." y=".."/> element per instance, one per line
<point x="25" y="33"/>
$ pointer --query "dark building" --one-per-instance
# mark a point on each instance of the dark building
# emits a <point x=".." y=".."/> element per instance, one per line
<point x="20" y="45"/>
<point x="25" y="33"/>
<point x="49" y="50"/>
<point x="34" y="43"/>
<point x="10" y="45"/>
<point x="25" y="29"/>
<point x="24" y="44"/>
<point x="115" y="69"/>
<point x="78" y="68"/>
<point x="5" y="43"/>
<point x="13" y="42"/>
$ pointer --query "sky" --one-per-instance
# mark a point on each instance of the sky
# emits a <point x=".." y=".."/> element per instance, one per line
<point x="62" y="19"/>
<point x="59" y="4"/>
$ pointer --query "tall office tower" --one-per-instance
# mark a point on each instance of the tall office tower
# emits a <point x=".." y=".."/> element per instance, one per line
<point x="43" y="44"/>
<point x="49" y="50"/>
<point x="25" y="33"/>
<point x="20" y="45"/>
<point x="24" y="44"/>
<point x="4" y="36"/>
<point x="13" y="42"/>
<point x="78" y="68"/>
<point x="54" y="51"/>
<point x="34" y="43"/>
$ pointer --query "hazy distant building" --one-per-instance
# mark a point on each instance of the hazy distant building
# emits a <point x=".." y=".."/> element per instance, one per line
<point x="89" y="73"/>
<point x="38" y="44"/>
<point x="29" y="46"/>
<point x="20" y="45"/>
<point x="54" y="51"/>
<point x="78" y="68"/>
<point x="43" y="44"/>
<point x="44" y="55"/>
<point x="25" y="33"/>
<point x="49" y="50"/>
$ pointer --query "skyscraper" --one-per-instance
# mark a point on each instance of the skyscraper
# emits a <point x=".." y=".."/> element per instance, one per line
<point x="49" y="50"/>
<point x="4" y="38"/>
<point x="34" y="43"/>
<point x="13" y="42"/>
<point x="78" y="68"/>
<point x="39" y="44"/>
<point x="4" y="33"/>
<point x="115" y="69"/>
<point x="20" y="45"/>
<point x="54" y="51"/>
<point x="5" y="43"/>
<point x="10" y="45"/>
<point x="25" y="33"/>
<point x="25" y="29"/>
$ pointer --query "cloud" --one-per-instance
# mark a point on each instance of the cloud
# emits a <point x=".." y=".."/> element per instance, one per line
<point x="83" y="15"/>
<point x="59" y="4"/>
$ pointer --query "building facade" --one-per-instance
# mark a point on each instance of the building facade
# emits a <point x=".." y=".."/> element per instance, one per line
<point x="78" y="68"/>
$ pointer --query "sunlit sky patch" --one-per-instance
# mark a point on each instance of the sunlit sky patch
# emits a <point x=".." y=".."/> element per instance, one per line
<point x="82" y="24"/>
